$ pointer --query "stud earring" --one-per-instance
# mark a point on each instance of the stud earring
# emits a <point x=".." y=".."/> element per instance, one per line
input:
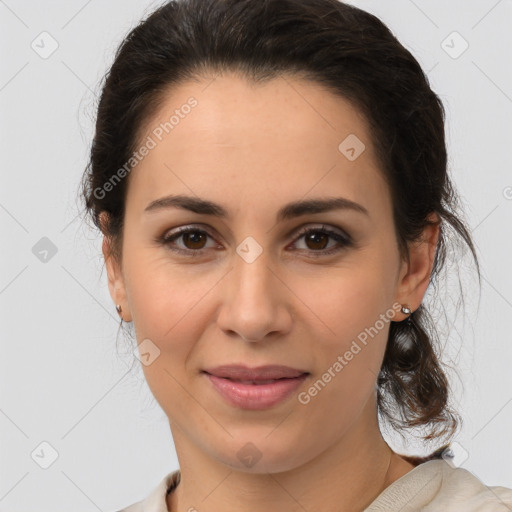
<point x="119" y="309"/>
<point x="406" y="310"/>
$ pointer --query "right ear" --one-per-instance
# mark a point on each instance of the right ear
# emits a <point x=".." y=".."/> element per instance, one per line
<point x="116" y="284"/>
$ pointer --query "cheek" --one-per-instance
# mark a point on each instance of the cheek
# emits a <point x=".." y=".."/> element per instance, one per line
<point x="350" y="319"/>
<point x="348" y="354"/>
<point x="342" y="302"/>
<point x="163" y="295"/>
<point x="164" y="304"/>
<point x="174" y="335"/>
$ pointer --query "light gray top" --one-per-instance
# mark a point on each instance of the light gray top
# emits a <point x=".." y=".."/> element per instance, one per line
<point x="432" y="486"/>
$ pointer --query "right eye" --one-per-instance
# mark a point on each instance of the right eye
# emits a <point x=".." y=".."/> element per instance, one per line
<point x="192" y="237"/>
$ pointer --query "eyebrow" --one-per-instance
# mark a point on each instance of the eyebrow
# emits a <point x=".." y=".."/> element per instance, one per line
<point x="289" y="211"/>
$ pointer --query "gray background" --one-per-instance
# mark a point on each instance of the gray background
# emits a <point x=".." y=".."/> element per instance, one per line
<point x="62" y="380"/>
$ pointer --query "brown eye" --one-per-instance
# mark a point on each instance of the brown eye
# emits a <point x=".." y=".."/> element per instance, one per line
<point x="193" y="241"/>
<point x="317" y="240"/>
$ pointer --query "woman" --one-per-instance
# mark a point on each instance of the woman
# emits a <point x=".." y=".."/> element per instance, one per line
<point x="270" y="179"/>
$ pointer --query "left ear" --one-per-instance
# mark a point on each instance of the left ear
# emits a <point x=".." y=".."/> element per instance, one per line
<point x="415" y="274"/>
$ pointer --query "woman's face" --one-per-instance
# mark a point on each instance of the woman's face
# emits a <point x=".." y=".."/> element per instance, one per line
<point x="250" y="288"/>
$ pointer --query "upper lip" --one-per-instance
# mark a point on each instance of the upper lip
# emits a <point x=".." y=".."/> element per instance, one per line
<point x="242" y="372"/>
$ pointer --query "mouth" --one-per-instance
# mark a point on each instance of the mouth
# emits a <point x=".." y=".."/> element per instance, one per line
<point x="257" y="388"/>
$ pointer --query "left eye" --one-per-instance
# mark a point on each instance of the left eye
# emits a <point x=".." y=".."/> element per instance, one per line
<point x="194" y="240"/>
<point x="320" y="236"/>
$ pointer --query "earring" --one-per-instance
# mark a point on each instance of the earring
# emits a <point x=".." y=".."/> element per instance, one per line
<point x="119" y="309"/>
<point x="405" y="309"/>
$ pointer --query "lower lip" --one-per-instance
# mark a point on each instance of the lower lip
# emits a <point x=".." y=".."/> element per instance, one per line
<point x="255" y="396"/>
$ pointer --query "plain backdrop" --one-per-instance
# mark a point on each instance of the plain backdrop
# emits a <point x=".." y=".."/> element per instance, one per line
<point x="67" y="399"/>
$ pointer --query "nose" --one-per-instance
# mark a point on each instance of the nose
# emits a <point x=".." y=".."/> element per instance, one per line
<point x="255" y="301"/>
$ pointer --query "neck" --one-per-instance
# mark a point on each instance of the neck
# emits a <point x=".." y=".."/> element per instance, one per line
<point x="347" y="476"/>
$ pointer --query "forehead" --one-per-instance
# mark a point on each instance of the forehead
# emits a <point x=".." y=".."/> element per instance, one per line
<point x="231" y="109"/>
<point x="283" y="138"/>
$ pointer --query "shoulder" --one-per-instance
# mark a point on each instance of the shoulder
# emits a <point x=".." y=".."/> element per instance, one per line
<point x="435" y="485"/>
<point x="466" y="489"/>
<point x="155" y="501"/>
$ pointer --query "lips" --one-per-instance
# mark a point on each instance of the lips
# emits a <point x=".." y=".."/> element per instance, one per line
<point x="258" y="375"/>
<point x="255" y="389"/>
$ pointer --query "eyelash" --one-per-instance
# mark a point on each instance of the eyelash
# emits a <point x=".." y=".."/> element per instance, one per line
<point x="344" y="240"/>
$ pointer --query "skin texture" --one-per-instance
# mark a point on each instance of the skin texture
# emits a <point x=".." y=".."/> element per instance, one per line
<point x="252" y="149"/>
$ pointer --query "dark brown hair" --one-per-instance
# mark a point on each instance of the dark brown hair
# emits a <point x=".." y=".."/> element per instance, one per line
<point x="354" y="55"/>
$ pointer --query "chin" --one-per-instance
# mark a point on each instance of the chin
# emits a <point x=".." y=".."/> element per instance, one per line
<point x="263" y="456"/>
